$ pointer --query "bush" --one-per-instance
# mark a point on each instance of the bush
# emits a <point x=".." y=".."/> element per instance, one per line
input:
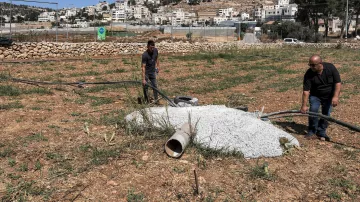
<point x="188" y="35"/>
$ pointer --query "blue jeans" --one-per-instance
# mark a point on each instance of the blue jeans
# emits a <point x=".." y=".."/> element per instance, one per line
<point x="317" y="126"/>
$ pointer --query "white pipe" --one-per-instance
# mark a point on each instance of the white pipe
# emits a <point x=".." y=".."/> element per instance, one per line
<point x="176" y="145"/>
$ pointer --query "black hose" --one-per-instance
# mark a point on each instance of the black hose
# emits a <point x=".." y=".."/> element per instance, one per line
<point x="94" y="83"/>
<point x="328" y="118"/>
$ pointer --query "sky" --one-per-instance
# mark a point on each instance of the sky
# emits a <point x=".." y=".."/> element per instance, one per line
<point x="62" y="3"/>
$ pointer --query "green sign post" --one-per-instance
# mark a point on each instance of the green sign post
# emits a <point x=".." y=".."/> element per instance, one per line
<point x="101" y="33"/>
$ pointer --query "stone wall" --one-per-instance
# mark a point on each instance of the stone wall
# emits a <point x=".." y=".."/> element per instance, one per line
<point x="67" y="50"/>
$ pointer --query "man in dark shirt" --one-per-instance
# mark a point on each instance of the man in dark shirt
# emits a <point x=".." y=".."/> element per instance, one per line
<point x="150" y="68"/>
<point x="322" y="86"/>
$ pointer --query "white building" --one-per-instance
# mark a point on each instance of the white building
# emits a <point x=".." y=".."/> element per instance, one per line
<point x="179" y="17"/>
<point x="47" y="17"/>
<point x="71" y="12"/>
<point x="119" y="15"/>
<point x="226" y="12"/>
<point x="245" y="16"/>
<point x="282" y="11"/>
<point x="90" y="10"/>
<point x="140" y="12"/>
<point x="159" y="18"/>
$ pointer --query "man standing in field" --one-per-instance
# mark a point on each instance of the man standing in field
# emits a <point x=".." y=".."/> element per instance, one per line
<point x="322" y="86"/>
<point x="150" y="68"/>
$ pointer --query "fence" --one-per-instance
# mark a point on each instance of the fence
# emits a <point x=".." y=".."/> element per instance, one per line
<point x="117" y="32"/>
<point x="208" y="33"/>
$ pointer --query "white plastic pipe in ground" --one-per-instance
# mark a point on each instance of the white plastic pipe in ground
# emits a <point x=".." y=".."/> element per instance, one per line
<point x="176" y="145"/>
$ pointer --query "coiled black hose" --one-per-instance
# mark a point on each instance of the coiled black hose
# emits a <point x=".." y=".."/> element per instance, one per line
<point x="328" y="118"/>
<point x="171" y="103"/>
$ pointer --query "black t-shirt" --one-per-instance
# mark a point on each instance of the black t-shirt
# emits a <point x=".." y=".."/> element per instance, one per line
<point x="322" y="85"/>
<point x="150" y="61"/>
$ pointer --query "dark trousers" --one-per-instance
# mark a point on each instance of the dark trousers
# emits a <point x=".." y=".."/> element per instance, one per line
<point x="317" y="126"/>
<point x="151" y="80"/>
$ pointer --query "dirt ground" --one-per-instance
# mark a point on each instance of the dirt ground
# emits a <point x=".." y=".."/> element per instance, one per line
<point x="56" y="140"/>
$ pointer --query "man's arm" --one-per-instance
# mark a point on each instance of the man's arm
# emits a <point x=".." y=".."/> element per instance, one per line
<point x="335" y="99"/>
<point x="158" y="64"/>
<point x="305" y="98"/>
<point x="143" y="73"/>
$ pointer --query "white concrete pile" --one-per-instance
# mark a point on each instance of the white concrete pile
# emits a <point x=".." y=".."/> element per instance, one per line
<point x="219" y="127"/>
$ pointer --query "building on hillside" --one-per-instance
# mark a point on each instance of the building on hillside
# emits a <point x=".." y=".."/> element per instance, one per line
<point x="90" y="10"/>
<point x="283" y="10"/>
<point x="245" y="16"/>
<point x="180" y="17"/>
<point x="71" y="12"/>
<point x="226" y="12"/>
<point x="140" y="12"/>
<point x="47" y="17"/>
<point x="103" y="6"/>
<point x="160" y="18"/>
<point x="206" y="16"/>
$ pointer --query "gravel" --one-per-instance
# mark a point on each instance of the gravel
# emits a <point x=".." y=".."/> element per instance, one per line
<point x="219" y="127"/>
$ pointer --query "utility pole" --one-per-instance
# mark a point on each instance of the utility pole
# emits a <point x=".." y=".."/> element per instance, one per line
<point x="346" y="20"/>
<point x="10" y="17"/>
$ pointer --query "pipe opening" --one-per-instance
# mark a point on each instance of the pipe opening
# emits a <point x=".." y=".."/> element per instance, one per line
<point x="173" y="148"/>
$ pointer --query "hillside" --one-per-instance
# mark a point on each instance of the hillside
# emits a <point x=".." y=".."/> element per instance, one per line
<point x="238" y="5"/>
<point x="20" y="9"/>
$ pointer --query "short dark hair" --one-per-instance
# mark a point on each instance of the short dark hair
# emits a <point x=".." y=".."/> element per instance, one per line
<point x="151" y="43"/>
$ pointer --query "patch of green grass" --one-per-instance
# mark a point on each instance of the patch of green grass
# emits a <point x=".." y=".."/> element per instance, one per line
<point x="287" y="84"/>
<point x="97" y="101"/>
<point x="343" y="183"/>
<point x="4" y="76"/>
<point x="126" y="61"/>
<point x="36" y="108"/>
<point x="38" y="165"/>
<point x="134" y="197"/>
<point x="24" y="167"/>
<point x="13" y="176"/>
<point x="114" y="71"/>
<point x="85" y="148"/>
<point x="40" y="91"/>
<point x="112" y="118"/>
<point x="12" y="105"/>
<point x="54" y="156"/>
<point x="36" y="137"/>
<point x="262" y="172"/>
<point x="81" y="100"/>
<point x="75" y="114"/>
<point x="210" y="153"/>
<point x="102" y="156"/>
<point x="225" y="83"/>
<point x="7" y="152"/>
<point x="334" y="195"/>
<point x="6" y="90"/>
<point x="103" y="61"/>
<point x="23" y="191"/>
<point x="11" y="162"/>
<point x="70" y="67"/>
